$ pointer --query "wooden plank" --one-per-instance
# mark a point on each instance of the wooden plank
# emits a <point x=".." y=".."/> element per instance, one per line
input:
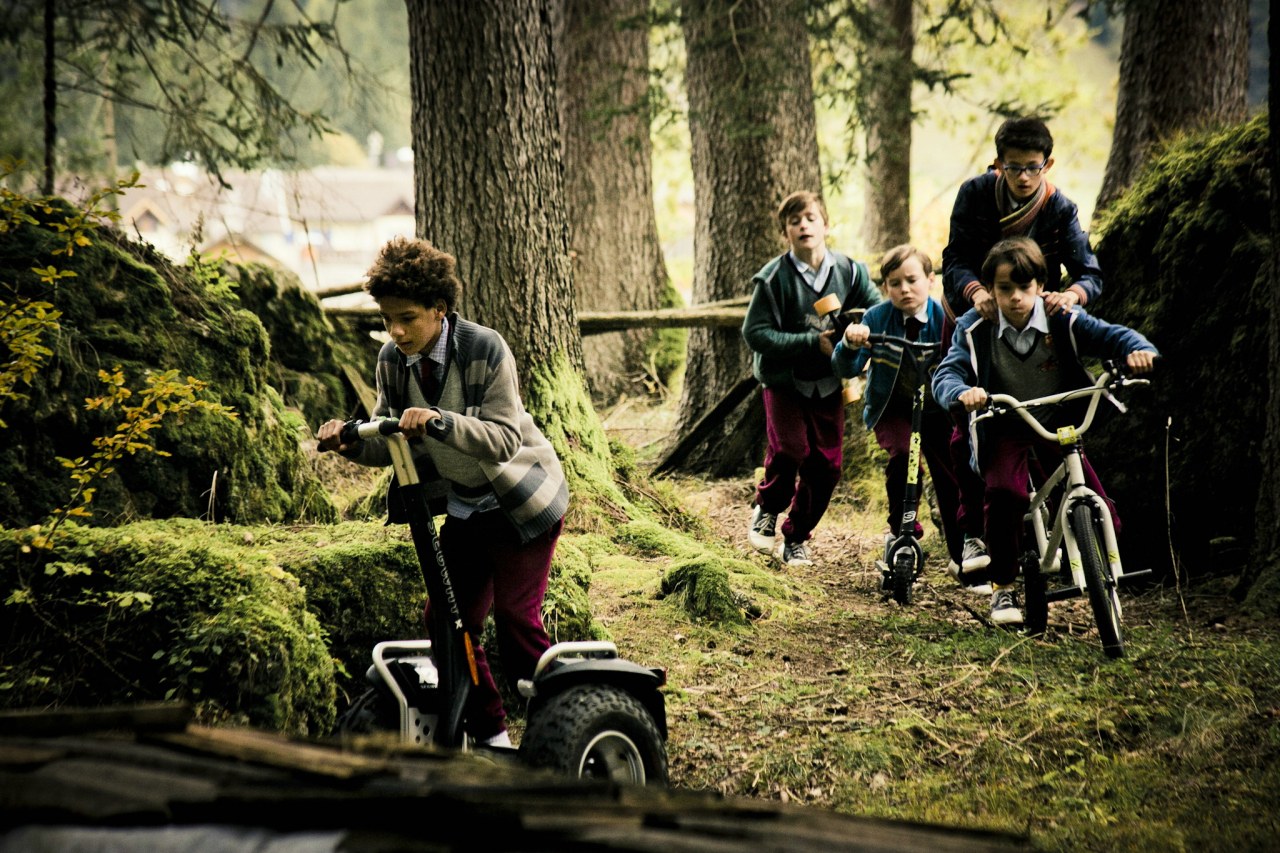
<point x="705" y="424"/>
<point x="158" y="716"/>
<point x="727" y="316"/>
<point x="274" y="750"/>
<point x="367" y="396"/>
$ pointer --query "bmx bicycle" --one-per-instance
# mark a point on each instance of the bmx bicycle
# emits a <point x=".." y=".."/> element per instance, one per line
<point x="1082" y="526"/>
<point x="590" y="713"/>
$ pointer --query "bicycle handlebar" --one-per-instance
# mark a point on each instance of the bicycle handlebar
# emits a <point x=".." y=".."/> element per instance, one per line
<point x="1111" y="377"/>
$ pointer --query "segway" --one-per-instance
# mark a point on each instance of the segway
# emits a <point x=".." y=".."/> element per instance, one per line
<point x="590" y="713"/>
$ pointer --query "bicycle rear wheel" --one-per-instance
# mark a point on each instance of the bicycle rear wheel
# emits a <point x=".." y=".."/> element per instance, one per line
<point x="1098" y="578"/>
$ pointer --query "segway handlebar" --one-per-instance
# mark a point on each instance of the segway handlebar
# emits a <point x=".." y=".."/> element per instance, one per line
<point x="353" y="430"/>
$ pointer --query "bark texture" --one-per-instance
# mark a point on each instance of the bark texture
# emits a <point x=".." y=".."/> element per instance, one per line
<point x="752" y="127"/>
<point x="1184" y="65"/>
<point x="888" y="217"/>
<point x="1261" y="579"/>
<point x="602" y="55"/>
<point x="489" y="185"/>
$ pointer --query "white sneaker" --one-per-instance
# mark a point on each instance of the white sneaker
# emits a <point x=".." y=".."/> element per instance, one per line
<point x="974" y="556"/>
<point x="1004" y="610"/>
<point x="794" y="554"/>
<point x="763" y="529"/>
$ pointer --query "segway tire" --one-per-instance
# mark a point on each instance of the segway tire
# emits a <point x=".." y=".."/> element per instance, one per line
<point x="372" y="711"/>
<point x="595" y="731"/>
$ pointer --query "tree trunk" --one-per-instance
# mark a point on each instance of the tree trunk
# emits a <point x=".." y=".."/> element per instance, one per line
<point x="602" y="56"/>
<point x="50" y="98"/>
<point x="1261" y="579"/>
<point x="1184" y="64"/>
<point x="888" y="217"/>
<point x="487" y="172"/>
<point x="752" y="126"/>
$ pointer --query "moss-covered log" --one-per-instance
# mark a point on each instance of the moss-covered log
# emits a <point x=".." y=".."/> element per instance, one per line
<point x="1184" y="253"/>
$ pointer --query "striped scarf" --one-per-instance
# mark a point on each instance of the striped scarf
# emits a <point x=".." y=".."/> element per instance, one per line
<point x="1017" y="217"/>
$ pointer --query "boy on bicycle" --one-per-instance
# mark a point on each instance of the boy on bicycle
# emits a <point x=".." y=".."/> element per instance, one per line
<point x="1024" y="352"/>
<point x="1013" y="198"/>
<point x="907" y="276"/>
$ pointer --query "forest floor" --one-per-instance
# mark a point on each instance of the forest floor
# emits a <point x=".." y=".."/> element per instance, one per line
<point x="841" y="698"/>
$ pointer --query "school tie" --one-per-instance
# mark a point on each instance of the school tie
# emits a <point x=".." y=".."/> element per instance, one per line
<point x="913" y="328"/>
<point x="430" y="384"/>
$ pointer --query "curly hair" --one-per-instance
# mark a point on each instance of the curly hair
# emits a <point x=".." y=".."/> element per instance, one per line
<point x="415" y="270"/>
<point x="1024" y="257"/>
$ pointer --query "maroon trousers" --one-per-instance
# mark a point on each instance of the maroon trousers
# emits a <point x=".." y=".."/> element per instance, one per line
<point x="491" y="568"/>
<point x="893" y="434"/>
<point x="803" y="458"/>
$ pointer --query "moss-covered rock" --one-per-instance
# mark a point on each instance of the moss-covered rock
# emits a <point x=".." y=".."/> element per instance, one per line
<point x="129" y="306"/>
<point x="161" y="610"/>
<point x="1184" y="253"/>
<point x="308" y="350"/>
<point x="702" y="582"/>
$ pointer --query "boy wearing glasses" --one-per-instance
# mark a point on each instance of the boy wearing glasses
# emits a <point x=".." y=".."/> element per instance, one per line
<point x="1015" y="199"/>
<point x="1012" y="199"/>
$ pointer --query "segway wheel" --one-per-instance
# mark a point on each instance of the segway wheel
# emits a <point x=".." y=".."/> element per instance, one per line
<point x="372" y="711"/>
<point x="595" y="731"/>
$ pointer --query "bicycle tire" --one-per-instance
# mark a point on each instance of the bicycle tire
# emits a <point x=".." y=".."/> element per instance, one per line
<point x="1098" y="579"/>
<point x="1035" y="596"/>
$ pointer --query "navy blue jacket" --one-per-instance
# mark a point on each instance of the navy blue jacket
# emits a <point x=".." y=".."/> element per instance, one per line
<point x="1073" y="335"/>
<point x="886" y="359"/>
<point x="975" y="228"/>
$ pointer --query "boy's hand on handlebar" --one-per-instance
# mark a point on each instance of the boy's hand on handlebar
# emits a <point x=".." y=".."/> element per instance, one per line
<point x="1141" y="361"/>
<point x="826" y="344"/>
<point x="330" y="436"/>
<point x="413" y="422"/>
<point x="973" y="399"/>
<point x="856" y="335"/>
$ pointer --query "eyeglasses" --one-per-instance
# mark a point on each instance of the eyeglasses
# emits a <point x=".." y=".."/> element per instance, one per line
<point x="1014" y="171"/>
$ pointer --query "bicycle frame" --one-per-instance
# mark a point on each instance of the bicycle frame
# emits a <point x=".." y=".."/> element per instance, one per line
<point x="1069" y="479"/>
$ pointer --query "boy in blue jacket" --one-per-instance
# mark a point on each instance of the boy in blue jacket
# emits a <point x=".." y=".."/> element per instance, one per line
<point x="906" y="274"/>
<point x="791" y="347"/>
<point x="1025" y="352"/>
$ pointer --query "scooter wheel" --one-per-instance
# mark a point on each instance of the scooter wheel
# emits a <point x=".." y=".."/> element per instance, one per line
<point x="595" y="731"/>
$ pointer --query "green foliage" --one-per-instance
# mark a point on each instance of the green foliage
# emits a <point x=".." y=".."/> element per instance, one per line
<point x="127" y="306"/>
<point x="161" y="610"/>
<point x="1184" y="252"/>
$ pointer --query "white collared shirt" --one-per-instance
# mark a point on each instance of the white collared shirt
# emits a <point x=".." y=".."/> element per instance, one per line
<point x="816" y="279"/>
<point x="1022" y="341"/>
<point x="438" y="353"/>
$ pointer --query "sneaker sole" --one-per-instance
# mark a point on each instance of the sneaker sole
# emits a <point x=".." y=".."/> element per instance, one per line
<point x="1005" y="618"/>
<point x="760" y="542"/>
<point x="974" y="563"/>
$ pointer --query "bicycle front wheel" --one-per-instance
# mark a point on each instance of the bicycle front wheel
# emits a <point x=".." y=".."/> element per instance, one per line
<point x="1098" y="578"/>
